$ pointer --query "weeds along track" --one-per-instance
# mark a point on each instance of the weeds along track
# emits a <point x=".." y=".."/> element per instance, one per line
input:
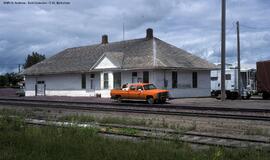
<point x="144" y="133"/>
<point x="138" y="110"/>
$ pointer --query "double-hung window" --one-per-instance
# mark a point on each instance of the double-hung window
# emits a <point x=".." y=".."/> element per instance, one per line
<point x="174" y="79"/>
<point x="83" y="81"/>
<point x="195" y="80"/>
<point x="106" y="81"/>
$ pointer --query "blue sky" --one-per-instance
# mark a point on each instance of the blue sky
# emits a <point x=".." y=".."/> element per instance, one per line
<point x="193" y="25"/>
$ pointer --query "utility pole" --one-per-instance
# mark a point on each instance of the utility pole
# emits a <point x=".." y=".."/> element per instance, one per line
<point x="223" y="49"/>
<point x="19" y="68"/>
<point x="238" y="59"/>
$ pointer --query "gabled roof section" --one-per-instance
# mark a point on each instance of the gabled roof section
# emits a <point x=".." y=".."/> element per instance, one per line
<point x="109" y="60"/>
<point x="144" y="53"/>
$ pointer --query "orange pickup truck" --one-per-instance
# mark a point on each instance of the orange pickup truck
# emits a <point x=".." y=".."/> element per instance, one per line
<point x="140" y="91"/>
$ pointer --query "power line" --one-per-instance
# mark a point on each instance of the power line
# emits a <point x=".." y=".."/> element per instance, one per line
<point x="255" y="27"/>
<point x="11" y="64"/>
<point x="232" y="28"/>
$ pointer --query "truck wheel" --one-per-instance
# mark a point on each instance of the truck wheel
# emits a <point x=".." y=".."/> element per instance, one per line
<point x="150" y="100"/>
<point x="265" y="95"/>
<point x="218" y="96"/>
<point x="163" y="101"/>
<point x="119" y="99"/>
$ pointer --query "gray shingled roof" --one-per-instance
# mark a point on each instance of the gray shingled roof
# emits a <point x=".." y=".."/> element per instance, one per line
<point x="129" y="54"/>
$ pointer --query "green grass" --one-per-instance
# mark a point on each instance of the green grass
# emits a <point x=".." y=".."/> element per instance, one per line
<point x="129" y="131"/>
<point x="14" y="112"/>
<point x="257" y="131"/>
<point x="104" y="120"/>
<point x="126" y="121"/>
<point x="19" y="141"/>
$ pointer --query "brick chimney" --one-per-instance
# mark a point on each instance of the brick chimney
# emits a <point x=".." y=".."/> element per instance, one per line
<point x="149" y="33"/>
<point x="104" y="39"/>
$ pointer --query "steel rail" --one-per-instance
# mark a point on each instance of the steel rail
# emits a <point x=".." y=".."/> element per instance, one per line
<point x="144" y="105"/>
<point x="147" y="129"/>
<point x="147" y="110"/>
<point x="142" y="137"/>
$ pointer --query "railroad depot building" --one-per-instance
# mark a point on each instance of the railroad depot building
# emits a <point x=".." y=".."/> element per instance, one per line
<point x="96" y="69"/>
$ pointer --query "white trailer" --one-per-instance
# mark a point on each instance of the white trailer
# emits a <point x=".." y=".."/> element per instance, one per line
<point x="247" y="80"/>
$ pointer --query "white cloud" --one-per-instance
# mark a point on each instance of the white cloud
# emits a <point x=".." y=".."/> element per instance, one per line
<point x="191" y="25"/>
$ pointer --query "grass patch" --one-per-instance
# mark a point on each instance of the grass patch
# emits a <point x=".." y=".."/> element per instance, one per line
<point x="126" y="131"/>
<point x="77" y="118"/>
<point x="104" y="120"/>
<point x="20" y="141"/>
<point x="125" y="121"/>
<point x="13" y="112"/>
<point x="129" y="131"/>
<point x="257" y="131"/>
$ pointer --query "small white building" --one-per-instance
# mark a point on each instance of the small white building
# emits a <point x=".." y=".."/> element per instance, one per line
<point x="96" y="69"/>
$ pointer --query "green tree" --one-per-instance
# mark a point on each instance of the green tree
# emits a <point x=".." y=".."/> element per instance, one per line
<point x="33" y="59"/>
<point x="3" y="81"/>
<point x="13" y="78"/>
<point x="10" y="79"/>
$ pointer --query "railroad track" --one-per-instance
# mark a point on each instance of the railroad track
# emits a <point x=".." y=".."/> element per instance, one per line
<point x="126" y="109"/>
<point x="140" y="105"/>
<point x="163" y="134"/>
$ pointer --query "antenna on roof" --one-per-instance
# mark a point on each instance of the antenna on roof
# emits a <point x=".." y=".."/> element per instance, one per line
<point x="123" y="31"/>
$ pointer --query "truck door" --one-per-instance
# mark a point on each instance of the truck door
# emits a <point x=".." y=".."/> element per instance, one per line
<point x="140" y="92"/>
<point x="132" y="92"/>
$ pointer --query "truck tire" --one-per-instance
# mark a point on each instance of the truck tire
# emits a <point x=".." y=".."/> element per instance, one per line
<point x="163" y="101"/>
<point x="150" y="100"/>
<point x="117" y="98"/>
<point x="218" y="96"/>
<point x="234" y="95"/>
<point x="265" y="95"/>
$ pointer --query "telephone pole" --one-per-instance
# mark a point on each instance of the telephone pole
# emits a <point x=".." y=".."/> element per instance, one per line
<point x="238" y="59"/>
<point x="19" y="68"/>
<point x="223" y="49"/>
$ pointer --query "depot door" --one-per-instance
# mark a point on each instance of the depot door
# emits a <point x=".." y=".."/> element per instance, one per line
<point x="40" y="88"/>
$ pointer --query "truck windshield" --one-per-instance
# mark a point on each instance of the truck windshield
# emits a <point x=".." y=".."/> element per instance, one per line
<point x="149" y="87"/>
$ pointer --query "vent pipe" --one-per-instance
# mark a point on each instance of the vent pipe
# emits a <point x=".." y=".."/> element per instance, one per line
<point x="149" y="33"/>
<point x="104" y="39"/>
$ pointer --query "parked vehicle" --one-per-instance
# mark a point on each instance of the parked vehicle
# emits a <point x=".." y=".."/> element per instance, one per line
<point x="231" y="82"/>
<point x="140" y="91"/>
<point x="20" y="92"/>
<point x="263" y="78"/>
